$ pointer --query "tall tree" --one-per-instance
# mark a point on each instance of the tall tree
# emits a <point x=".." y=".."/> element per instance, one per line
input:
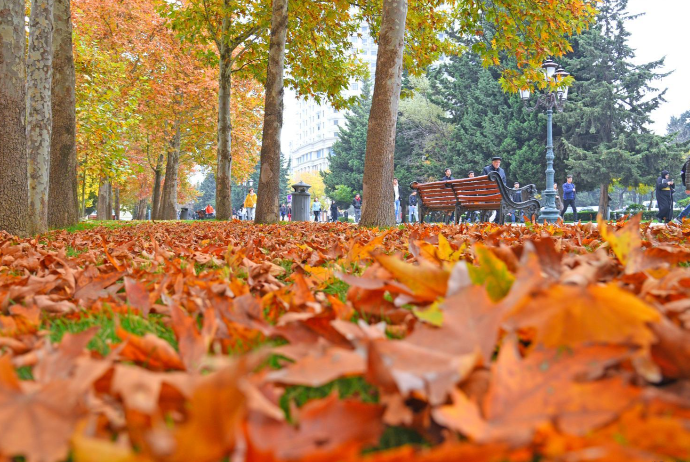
<point x="63" y="202"/>
<point x="606" y="134"/>
<point x="377" y="186"/>
<point x="267" y="206"/>
<point x="14" y="192"/>
<point x="680" y="127"/>
<point x="317" y="52"/>
<point x="285" y="167"/>
<point x="514" y="36"/>
<point x="39" y="122"/>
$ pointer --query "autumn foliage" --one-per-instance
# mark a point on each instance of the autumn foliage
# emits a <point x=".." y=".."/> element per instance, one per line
<point x="325" y="342"/>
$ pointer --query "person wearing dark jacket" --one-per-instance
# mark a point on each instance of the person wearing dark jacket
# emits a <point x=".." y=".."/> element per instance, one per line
<point x="517" y="197"/>
<point x="283" y="212"/>
<point x="447" y="175"/>
<point x="357" y="204"/>
<point x="569" y="197"/>
<point x="495" y="166"/>
<point x="664" y="197"/>
<point x="686" y="182"/>
<point x="334" y="211"/>
<point x="412" y="207"/>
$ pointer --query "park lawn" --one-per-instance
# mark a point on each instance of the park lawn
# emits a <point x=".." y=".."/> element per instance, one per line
<point x="335" y="342"/>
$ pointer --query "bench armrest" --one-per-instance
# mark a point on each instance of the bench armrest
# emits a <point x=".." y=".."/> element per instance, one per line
<point x="528" y="192"/>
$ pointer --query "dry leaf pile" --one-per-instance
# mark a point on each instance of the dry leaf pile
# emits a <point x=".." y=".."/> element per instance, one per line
<point x="476" y="343"/>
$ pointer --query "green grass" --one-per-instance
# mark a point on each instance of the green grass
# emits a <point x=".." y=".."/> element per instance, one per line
<point x="346" y="387"/>
<point x="394" y="437"/>
<point x="339" y="288"/>
<point x="106" y="334"/>
<point x="91" y="224"/>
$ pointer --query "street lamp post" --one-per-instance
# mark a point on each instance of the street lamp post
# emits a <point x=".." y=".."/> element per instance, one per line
<point x="553" y="73"/>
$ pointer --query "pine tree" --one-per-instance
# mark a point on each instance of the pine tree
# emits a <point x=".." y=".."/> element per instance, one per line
<point x="680" y="126"/>
<point x="606" y="134"/>
<point x="487" y="122"/>
<point x="347" y="160"/>
<point x="284" y="178"/>
<point x="208" y="192"/>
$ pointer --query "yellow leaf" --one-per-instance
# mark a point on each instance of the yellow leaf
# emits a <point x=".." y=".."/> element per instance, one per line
<point x="626" y="242"/>
<point x="491" y="272"/>
<point x="425" y="281"/>
<point x="431" y="315"/>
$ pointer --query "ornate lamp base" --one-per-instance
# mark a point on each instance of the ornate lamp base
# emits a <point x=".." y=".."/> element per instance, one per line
<point x="551" y="215"/>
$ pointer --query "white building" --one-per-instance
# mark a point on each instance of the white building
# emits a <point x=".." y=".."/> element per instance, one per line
<point x="311" y="128"/>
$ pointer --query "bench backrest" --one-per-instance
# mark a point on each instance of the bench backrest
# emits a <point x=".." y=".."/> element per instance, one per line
<point x="477" y="192"/>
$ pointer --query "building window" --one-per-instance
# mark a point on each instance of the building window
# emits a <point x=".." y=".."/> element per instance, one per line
<point x="335" y="122"/>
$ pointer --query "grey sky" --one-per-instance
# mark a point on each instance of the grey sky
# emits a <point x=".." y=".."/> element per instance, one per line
<point x="663" y="31"/>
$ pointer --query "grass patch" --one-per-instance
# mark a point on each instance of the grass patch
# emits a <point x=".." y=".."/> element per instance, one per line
<point x="346" y="387"/>
<point x="135" y="324"/>
<point x="395" y="437"/>
<point x="339" y="288"/>
<point x="91" y="224"/>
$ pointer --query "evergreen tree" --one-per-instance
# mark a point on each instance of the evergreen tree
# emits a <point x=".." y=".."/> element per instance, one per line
<point x="284" y="179"/>
<point x="486" y="122"/>
<point x="208" y="192"/>
<point x="605" y="123"/>
<point x="680" y="126"/>
<point x="347" y="160"/>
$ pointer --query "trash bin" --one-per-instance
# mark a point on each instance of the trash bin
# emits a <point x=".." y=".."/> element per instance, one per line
<point x="300" y="202"/>
<point x="184" y="213"/>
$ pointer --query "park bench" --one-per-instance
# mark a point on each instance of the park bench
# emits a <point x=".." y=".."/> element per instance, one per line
<point x="482" y="193"/>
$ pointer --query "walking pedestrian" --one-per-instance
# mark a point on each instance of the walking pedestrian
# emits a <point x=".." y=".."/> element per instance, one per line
<point x="334" y="211"/>
<point x="250" y="204"/>
<point x="569" y="197"/>
<point x="357" y="205"/>
<point x="664" y="196"/>
<point x="289" y="211"/>
<point x="283" y="212"/>
<point x="412" y="207"/>
<point x="316" y="208"/>
<point x="396" y="197"/>
<point x="686" y="182"/>
<point x="559" y="201"/>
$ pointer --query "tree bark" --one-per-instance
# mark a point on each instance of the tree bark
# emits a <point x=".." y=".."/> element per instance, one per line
<point x="39" y="122"/>
<point x="116" y="203"/>
<point x="168" y="206"/>
<point x="104" y="208"/>
<point x="14" y="186"/>
<point x="267" y="206"/>
<point x="141" y="209"/>
<point x="377" y="192"/>
<point x="224" y="167"/>
<point x="63" y="201"/>
<point x="157" y="180"/>
<point x="603" y="199"/>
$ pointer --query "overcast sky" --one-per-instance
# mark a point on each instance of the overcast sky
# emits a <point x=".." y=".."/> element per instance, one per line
<point x="663" y="31"/>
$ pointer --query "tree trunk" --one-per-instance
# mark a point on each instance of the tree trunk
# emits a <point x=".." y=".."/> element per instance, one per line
<point x="378" y="199"/>
<point x="157" y="180"/>
<point x="116" y="203"/>
<point x="39" y="123"/>
<point x="104" y="209"/>
<point x="14" y="189"/>
<point x="267" y="206"/>
<point x="224" y="167"/>
<point x="604" y="199"/>
<point x="63" y="202"/>
<point x="141" y="209"/>
<point x="168" y="206"/>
